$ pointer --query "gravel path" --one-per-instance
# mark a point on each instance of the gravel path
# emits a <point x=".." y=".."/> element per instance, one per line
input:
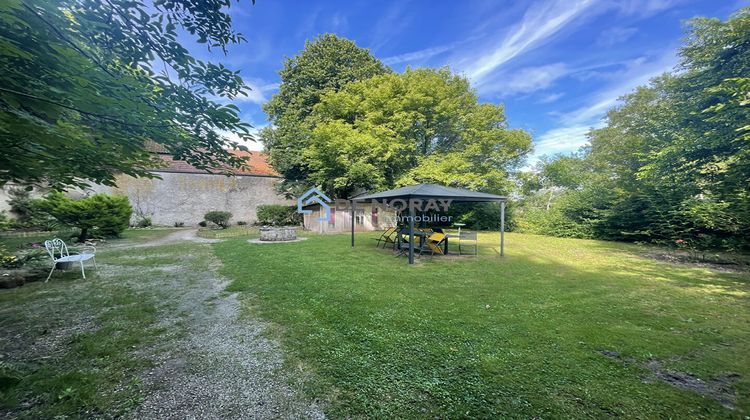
<point x="224" y="366"/>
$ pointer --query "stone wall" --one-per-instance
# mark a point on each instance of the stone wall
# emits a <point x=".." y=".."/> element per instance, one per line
<point x="186" y="197"/>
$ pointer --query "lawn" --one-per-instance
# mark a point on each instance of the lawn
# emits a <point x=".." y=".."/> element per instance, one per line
<point x="557" y="328"/>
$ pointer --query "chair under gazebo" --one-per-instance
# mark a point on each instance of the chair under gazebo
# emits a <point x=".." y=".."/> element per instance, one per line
<point x="410" y="194"/>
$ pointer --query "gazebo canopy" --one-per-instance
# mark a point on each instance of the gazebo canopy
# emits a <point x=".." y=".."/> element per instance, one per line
<point x="435" y="192"/>
<point x="427" y="191"/>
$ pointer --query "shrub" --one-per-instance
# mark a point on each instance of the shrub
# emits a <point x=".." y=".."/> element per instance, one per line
<point x="28" y="212"/>
<point x="8" y="259"/>
<point x="202" y="223"/>
<point x="220" y="218"/>
<point x="278" y="215"/>
<point x="179" y="224"/>
<point x="5" y="222"/>
<point x="103" y="214"/>
<point x="241" y="223"/>
<point x="144" y="222"/>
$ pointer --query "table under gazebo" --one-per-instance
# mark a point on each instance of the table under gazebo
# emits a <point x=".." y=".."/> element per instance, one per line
<point x="422" y="192"/>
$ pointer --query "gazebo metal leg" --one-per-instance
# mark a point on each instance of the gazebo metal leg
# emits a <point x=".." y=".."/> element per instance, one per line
<point x="411" y="233"/>
<point x="502" y="228"/>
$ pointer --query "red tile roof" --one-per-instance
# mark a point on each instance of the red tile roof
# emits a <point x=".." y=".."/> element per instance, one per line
<point x="256" y="162"/>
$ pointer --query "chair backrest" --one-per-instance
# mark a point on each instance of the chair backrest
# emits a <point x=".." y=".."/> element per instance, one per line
<point x="56" y="248"/>
<point x="436" y="237"/>
<point x="468" y="236"/>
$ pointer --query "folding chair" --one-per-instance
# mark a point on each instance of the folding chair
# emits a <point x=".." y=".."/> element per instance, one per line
<point x="434" y="244"/>
<point x="386" y="237"/>
<point x="468" y="239"/>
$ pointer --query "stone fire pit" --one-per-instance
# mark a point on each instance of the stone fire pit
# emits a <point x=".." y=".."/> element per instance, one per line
<point x="278" y="234"/>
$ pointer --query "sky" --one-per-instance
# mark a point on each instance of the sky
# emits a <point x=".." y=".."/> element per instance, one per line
<point x="556" y="65"/>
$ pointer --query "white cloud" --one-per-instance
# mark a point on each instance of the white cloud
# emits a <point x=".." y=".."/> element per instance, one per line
<point x="417" y="56"/>
<point x="525" y="80"/>
<point x="540" y="22"/>
<point x="570" y="135"/>
<point x="616" y="35"/>
<point x="258" y="93"/>
<point x="644" y="8"/>
<point x="549" y="98"/>
<point x="601" y="102"/>
<point x="251" y="145"/>
<point x="561" y="140"/>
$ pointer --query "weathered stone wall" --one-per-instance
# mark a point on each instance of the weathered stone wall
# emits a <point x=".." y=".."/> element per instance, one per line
<point x="186" y="197"/>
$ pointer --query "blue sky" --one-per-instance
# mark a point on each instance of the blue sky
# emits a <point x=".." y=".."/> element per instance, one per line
<point x="557" y="65"/>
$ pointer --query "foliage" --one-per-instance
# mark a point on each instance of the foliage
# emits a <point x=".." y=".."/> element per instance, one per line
<point x="673" y="160"/>
<point x="202" y="223"/>
<point x="144" y="222"/>
<point x="488" y="337"/>
<point x="179" y="224"/>
<point x="481" y="216"/>
<point x="5" y="222"/>
<point x="8" y="259"/>
<point x="278" y="215"/>
<point x="101" y="214"/>
<point x="98" y="83"/>
<point x="422" y="126"/>
<point x="327" y="63"/>
<point x="26" y="211"/>
<point x="241" y="223"/>
<point x="219" y="218"/>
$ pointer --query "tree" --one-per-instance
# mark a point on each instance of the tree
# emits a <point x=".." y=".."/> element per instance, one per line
<point x="327" y="63"/>
<point x="219" y="218"/>
<point x="107" y="215"/>
<point x="423" y="125"/>
<point x="87" y="84"/>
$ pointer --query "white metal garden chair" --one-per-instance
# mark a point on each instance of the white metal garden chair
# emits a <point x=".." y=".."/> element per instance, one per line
<point x="58" y="251"/>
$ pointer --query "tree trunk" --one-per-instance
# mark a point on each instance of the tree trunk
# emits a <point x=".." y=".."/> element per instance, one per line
<point x="83" y="235"/>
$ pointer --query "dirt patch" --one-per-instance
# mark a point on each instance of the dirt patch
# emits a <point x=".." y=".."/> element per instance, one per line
<point x="721" y="265"/>
<point x="718" y="389"/>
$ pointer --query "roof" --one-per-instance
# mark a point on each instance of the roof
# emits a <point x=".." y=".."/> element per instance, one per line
<point x="257" y="163"/>
<point x="434" y="191"/>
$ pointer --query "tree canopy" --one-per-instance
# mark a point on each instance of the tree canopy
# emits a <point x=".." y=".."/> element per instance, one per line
<point x="87" y="84"/>
<point x="673" y="160"/>
<point x="421" y="126"/>
<point x="325" y="64"/>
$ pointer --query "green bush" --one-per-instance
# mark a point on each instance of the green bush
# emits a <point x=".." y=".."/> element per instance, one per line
<point x="220" y="218"/>
<point x="101" y="214"/>
<point x="241" y="223"/>
<point x="202" y="223"/>
<point x="278" y="215"/>
<point x="27" y="212"/>
<point x="144" y="223"/>
<point x="5" y="222"/>
<point x="179" y="224"/>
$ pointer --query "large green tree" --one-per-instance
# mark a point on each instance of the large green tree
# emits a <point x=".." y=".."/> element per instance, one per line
<point x="423" y="125"/>
<point x="87" y="84"/>
<point x="327" y="63"/>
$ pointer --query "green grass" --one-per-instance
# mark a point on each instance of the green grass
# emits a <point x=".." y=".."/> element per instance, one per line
<point x="485" y="337"/>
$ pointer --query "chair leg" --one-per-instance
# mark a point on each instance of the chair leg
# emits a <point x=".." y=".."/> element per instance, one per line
<point x="94" y="260"/>
<point x="82" y="272"/>
<point x="50" y="272"/>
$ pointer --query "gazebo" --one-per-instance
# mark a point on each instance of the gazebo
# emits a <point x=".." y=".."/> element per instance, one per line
<point x="423" y="192"/>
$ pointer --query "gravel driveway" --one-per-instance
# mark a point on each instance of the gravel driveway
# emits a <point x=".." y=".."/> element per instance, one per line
<point x="224" y="366"/>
